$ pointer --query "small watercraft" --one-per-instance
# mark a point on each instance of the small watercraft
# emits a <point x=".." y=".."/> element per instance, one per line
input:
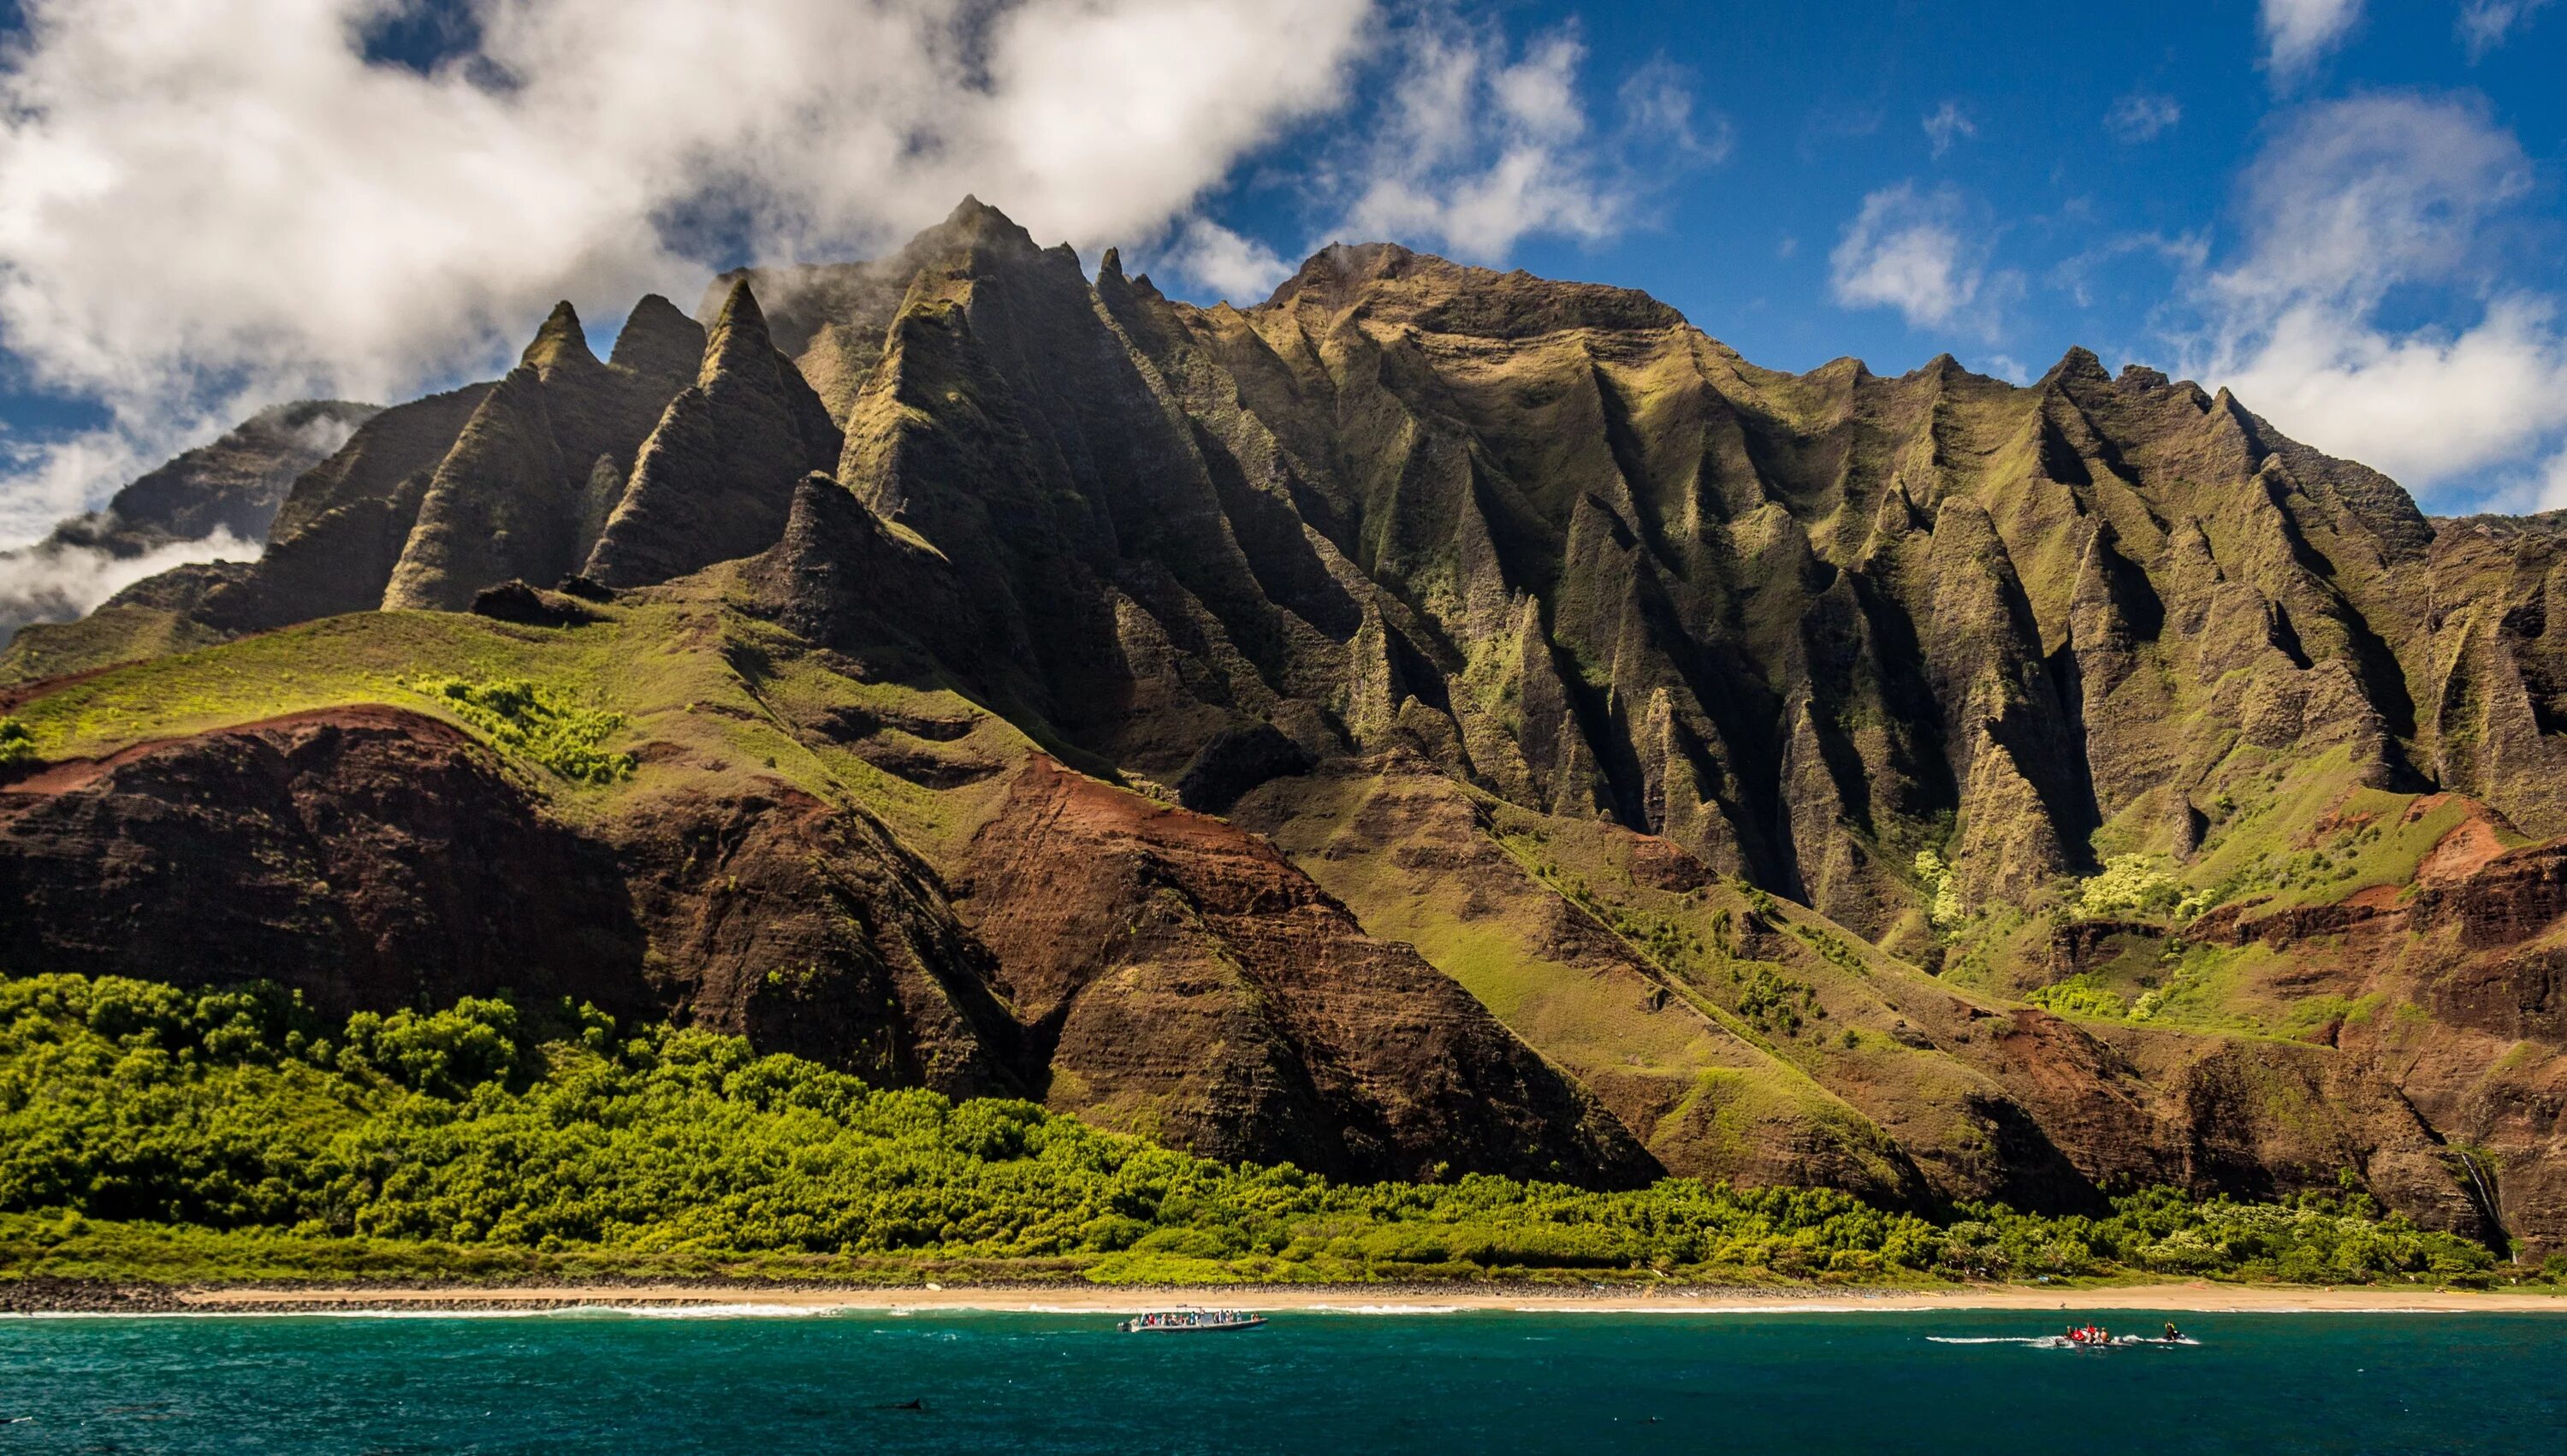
<point x="1190" y="1322"/>
<point x="2089" y="1336"/>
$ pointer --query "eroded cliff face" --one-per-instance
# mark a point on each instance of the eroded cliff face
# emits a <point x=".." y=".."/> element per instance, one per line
<point x="1192" y="985"/>
<point x="1592" y="690"/>
<point x="376" y="859"/>
<point x="1580" y="556"/>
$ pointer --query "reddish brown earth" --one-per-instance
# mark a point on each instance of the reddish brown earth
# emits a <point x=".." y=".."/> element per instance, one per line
<point x="1172" y="974"/>
<point x="368" y="858"/>
<point x="1194" y="986"/>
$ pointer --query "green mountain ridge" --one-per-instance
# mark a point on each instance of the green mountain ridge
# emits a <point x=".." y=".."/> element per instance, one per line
<point x="1433" y="717"/>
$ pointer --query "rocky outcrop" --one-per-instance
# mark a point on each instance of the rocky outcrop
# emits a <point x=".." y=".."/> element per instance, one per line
<point x="342" y="530"/>
<point x="370" y="860"/>
<point x="435" y="500"/>
<point x="373" y="859"/>
<point x="1171" y="974"/>
<point x="229" y="489"/>
<point x="714" y="480"/>
<point x="1192" y="985"/>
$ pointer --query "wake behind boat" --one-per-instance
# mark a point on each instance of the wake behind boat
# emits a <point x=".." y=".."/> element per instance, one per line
<point x="1190" y="1322"/>
<point x="2087" y="1336"/>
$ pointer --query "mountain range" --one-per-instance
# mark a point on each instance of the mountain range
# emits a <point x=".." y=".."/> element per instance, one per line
<point x="1434" y="721"/>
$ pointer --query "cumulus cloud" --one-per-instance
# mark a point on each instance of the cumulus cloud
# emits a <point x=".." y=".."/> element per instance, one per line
<point x="2487" y="23"/>
<point x="1921" y="253"/>
<point x="1947" y="124"/>
<point x="2300" y="32"/>
<point x="2350" y="202"/>
<point x="1480" y="142"/>
<point x="2142" y="116"/>
<point x="210" y="205"/>
<point x="1238" y="269"/>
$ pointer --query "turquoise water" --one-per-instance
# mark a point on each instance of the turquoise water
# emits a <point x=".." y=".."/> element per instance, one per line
<point x="1324" y="1382"/>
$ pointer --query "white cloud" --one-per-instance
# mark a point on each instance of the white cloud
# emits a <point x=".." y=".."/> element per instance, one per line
<point x="2554" y="483"/>
<point x="2426" y="408"/>
<point x="2298" y="33"/>
<point x="2352" y="198"/>
<point x="2142" y="116"/>
<point x="58" y="584"/>
<point x="1946" y="124"/>
<point x="1237" y="268"/>
<point x="2350" y="202"/>
<point x="1919" y="253"/>
<point x="1480" y="144"/>
<point x="2487" y="23"/>
<point x="210" y="205"/>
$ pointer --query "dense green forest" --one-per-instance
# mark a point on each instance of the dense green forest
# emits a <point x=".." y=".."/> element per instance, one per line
<point x="153" y="1132"/>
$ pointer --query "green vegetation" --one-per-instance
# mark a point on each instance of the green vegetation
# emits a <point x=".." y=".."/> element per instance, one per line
<point x="17" y="744"/>
<point x="2130" y="884"/>
<point x="1943" y="909"/>
<point x="534" y="723"/>
<point x="1762" y="993"/>
<point x="2079" y="995"/>
<point x="152" y="1132"/>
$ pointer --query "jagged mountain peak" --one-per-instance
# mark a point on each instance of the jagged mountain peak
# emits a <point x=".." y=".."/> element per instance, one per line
<point x="560" y="344"/>
<point x="737" y="340"/>
<point x="2079" y="365"/>
<point x="660" y="341"/>
<point x="1398" y="285"/>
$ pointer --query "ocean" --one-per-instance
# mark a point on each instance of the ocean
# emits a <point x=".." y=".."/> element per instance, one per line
<point x="782" y="1382"/>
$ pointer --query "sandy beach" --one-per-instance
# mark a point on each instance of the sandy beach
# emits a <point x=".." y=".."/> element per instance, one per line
<point x="2197" y="1297"/>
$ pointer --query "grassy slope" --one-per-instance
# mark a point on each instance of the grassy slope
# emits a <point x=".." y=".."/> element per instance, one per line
<point x="710" y="700"/>
<point x="1793" y="1028"/>
<point x="104" y="637"/>
<point x="2284" y="833"/>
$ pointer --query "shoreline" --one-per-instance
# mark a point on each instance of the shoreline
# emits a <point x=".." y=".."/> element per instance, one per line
<point x="2192" y="1297"/>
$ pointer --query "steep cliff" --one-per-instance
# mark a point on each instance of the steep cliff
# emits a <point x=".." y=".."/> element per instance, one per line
<point x="1633" y="760"/>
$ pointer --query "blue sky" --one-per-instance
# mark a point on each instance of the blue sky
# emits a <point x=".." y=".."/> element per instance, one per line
<point x="2349" y="209"/>
<point x="2094" y="162"/>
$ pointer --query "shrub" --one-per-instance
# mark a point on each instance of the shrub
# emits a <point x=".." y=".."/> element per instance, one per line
<point x="17" y="744"/>
<point x="2130" y="884"/>
<point x="1944" y="910"/>
<point x="154" y="1132"/>
<point x="2081" y="995"/>
<point x="444" y="1054"/>
<point x="536" y="723"/>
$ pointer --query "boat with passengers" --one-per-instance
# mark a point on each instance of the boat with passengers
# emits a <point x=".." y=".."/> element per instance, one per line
<point x="1190" y="1322"/>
